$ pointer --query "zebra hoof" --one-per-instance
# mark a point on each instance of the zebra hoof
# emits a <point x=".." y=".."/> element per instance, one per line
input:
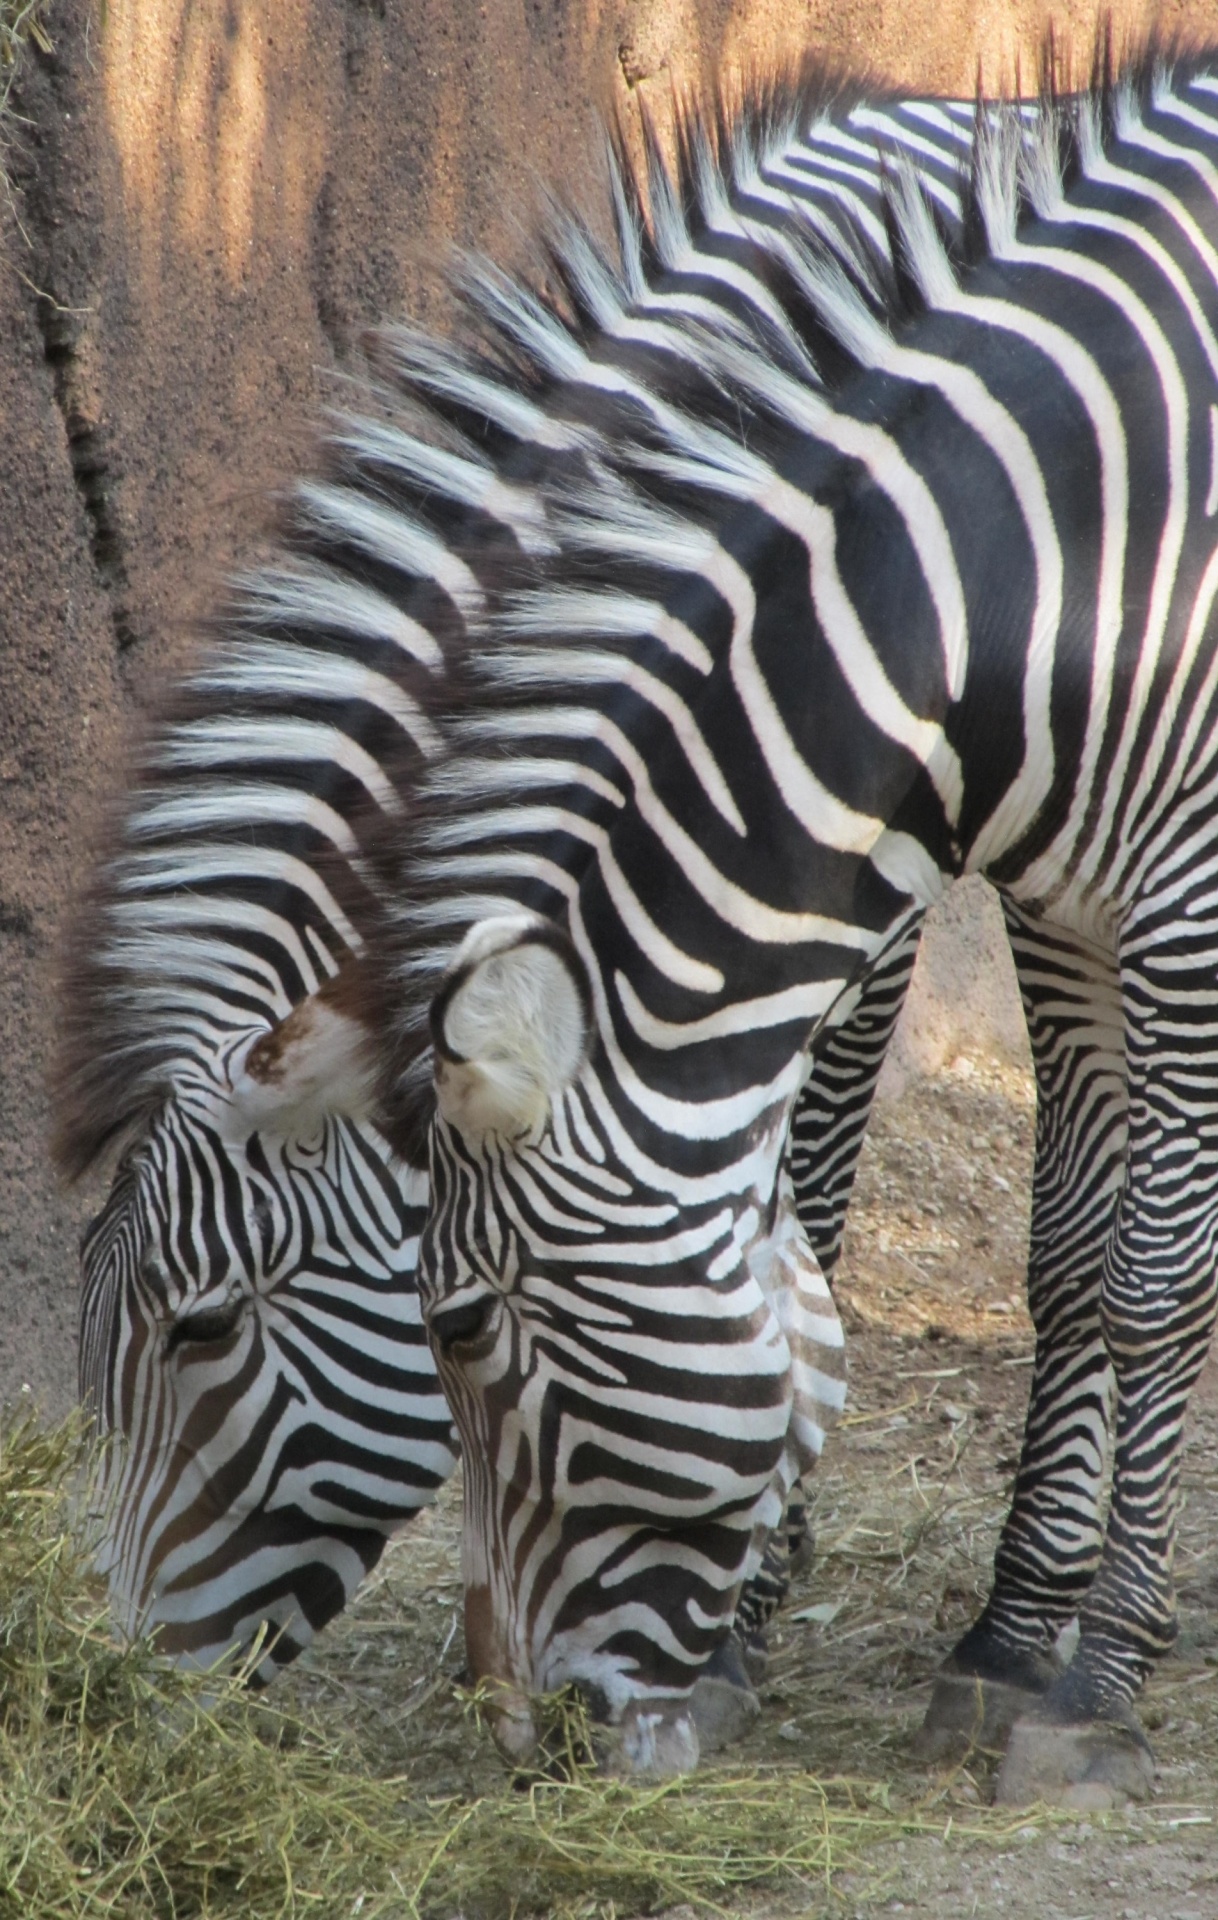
<point x="1090" y="1768"/>
<point x="723" y="1703"/>
<point x="966" y="1715"/>
<point x="513" y="1728"/>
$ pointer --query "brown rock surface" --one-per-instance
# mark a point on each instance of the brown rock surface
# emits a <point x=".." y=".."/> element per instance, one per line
<point x="210" y="200"/>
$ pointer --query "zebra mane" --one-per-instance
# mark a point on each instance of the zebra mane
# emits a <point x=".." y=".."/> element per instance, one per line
<point x="223" y="891"/>
<point x="526" y="476"/>
<point x="667" y="455"/>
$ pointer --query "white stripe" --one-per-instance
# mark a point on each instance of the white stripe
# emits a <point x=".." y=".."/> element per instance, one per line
<point x="317" y="597"/>
<point x="824" y="177"/>
<point x="286" y="671"/>
<point x="471" y="483"/>
<point x="1205" y="123"/>
<point x="199" y="808"/>
<point x="936" y="116"/>
<point x="877" y="121"/>
<point x="892" y="472"/>
<point x="665" y="956"/>
<point x="990" y="420"/>
<point x="1169" y="789"/>
<point x="387" y="534"/>
<point x="823" y="816"/>
<point x="1135" y="134"/>
<point x="561" y="669"/>
<point x="1107" y="174"/>
<point x="599" y="611"/>
<point x="847" y="638"/>
<point x="807" y="1004"/>
<point x="193" y="866"/>
<point x="494" y="776"/>
<point x="220" y="742"/>
<point x="1175" y="403"/>
<point x="871" y="121"/>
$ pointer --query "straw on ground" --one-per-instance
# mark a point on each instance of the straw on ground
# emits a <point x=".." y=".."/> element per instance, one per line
<point x="130" y="1790"/>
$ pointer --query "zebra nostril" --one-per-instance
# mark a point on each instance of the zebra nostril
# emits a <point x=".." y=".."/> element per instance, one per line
<point x="457" y="1326"/>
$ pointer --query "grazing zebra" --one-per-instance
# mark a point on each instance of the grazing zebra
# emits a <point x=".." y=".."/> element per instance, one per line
<point x="249" y="1326"/>
<point x="898" y="563"/>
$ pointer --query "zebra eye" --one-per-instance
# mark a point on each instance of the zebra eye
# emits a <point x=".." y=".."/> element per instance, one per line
<point x="461" y="1325"/>
<point x="208" y="1325"/>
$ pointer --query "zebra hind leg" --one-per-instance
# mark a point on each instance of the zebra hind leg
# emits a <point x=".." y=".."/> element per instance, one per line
<point x="1082" y="1744"/>
<point x="787" y="1553"/>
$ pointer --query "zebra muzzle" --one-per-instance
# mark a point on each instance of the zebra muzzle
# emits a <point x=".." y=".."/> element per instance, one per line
<point x="652" y="1741"/>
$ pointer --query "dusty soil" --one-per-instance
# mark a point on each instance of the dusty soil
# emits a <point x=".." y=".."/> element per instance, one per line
<point x="907" y="1507"/>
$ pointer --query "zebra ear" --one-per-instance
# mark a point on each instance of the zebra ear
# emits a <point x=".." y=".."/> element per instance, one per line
<point x="510" y="1026"/>
<point x="315" y="1065"/>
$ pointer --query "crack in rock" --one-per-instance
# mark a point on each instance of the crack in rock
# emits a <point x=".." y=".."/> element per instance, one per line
<point x="89" y="455"/>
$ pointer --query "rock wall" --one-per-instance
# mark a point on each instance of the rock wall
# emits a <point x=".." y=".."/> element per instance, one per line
<point x="210" y="198"/>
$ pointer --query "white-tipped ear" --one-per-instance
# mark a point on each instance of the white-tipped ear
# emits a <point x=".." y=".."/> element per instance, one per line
<point x="314" y="1066"/>
<point x="510" y="1026"/>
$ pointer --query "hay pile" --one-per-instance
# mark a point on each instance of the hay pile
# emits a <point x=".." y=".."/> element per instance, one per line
<point x="127" y="1790"/>
<point x="122" y="1790"/>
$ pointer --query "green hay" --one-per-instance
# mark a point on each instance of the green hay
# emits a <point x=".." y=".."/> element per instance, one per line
<point x="130" y="1790"/>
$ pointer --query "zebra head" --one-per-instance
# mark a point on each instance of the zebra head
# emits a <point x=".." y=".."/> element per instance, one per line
<point x="251" y="1340"/>
<point x="615" y="1499"/>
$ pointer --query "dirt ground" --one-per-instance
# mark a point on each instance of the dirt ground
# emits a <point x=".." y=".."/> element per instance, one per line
<point x="907" y="1506"/>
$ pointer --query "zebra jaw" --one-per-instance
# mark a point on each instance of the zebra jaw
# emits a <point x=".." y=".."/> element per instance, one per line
<point x="640" y="1729"/>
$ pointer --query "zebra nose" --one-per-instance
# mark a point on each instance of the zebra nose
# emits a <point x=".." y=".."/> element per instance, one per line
<point x="459" y="1325"/>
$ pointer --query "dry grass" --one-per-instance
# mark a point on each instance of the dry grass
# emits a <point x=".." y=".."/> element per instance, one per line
<point x="127" y="1790"/>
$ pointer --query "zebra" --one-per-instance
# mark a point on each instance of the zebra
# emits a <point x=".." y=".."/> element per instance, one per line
<point x="250" y="1332"/>
<point x="250" y="1335"/>
<point x="909" y="577"/>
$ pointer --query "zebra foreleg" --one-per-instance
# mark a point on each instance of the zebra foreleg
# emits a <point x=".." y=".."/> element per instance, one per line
<point x="1050" y="1545"/>
<point x="826" y="1138"/>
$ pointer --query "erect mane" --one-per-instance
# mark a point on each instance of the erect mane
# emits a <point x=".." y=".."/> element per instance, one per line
<point x="661" y="461"/>
<point x="221" y="893"/>
<point x="504" y="458"/>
